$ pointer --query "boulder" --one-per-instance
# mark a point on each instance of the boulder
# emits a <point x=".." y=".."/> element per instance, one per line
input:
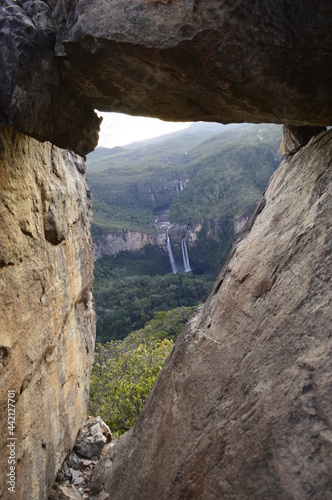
<point x="92" y="438"/>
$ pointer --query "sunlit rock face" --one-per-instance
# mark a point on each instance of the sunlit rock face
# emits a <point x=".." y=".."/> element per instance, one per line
<point x="242" y="408"/>
<point x="47" y="324"/>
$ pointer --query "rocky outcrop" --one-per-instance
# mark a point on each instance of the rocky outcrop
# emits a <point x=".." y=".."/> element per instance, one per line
<point x="294" y="138"/>
<point x="47" y="325"/>
<point x="232" y="61"/>
<point x="242" y="407"/>
<point x="93" y="440"/>
<point x="121" y="241"/>
<point x="239" y="224"/>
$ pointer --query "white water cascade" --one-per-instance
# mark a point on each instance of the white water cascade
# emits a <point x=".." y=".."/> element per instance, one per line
<point x="185" y="256"/>
<point x="170" y="254"/>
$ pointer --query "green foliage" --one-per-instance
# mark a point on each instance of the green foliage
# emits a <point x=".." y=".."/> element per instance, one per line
<point x="227" y="168"/>
<point x="127" y="264"/>
<point x="124" y="304"/>
<point x="122" y="378"/>
<point x="228" y="174"/>
<point x="124" y="371"/>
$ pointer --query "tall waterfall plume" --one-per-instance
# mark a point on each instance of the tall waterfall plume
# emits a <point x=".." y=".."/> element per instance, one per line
<point x="170" y="254"/>
<point x="185" y="256"/>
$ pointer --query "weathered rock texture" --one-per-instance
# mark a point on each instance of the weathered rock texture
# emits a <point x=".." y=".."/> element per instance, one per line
<point x="230" y="61"/>
<point x="294" y="138"/>
<point x="242" y="408"/>
<point x="46" y="312"/>
<point x="34" y="98"/>
<point x="120" y="241"/>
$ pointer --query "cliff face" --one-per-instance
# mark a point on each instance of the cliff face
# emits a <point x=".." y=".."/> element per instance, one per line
<point x="134" y="241"/>
<point x="242" y="407"/>
<point x="46" y="312"/>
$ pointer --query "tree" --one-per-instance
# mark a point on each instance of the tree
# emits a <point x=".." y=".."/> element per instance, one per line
<point x="123" y="375"/>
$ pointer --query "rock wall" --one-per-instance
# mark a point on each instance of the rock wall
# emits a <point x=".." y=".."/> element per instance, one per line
<point x="134" y="241"/>
<point x="242" y="408"/>
<point x="47" y="324"/>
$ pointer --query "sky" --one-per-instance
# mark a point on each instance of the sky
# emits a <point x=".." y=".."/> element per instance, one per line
<point x="118" y="129"/>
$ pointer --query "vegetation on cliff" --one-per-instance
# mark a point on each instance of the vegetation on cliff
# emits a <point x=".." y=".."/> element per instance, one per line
<point x="228" y="173"/>
<point x="223" y="172"/>
<point x="124" y="371"/>
<point x="223" y="175"/>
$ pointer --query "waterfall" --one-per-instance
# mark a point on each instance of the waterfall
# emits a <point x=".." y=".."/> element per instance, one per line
<point x="170" y="254"/>
<point x="179" y="186"/>
<point x="185" y="255"/>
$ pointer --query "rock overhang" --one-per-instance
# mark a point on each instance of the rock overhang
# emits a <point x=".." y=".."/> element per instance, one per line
<point x="230" y="61"/>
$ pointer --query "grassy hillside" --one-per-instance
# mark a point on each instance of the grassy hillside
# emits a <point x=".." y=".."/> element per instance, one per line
<point x="225" y="173"/>
<point x="228" y="174"/>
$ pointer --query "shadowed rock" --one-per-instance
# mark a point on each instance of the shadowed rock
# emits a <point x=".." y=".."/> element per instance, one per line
<point x="34" y="98"/>
<point x="294" y="138"/>
<point x="230" y="61"/>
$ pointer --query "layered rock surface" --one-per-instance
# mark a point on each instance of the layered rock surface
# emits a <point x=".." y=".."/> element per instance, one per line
<point x="242" y="408"/>
<point x="134" y="241"/>
<point x="47" y="325"/>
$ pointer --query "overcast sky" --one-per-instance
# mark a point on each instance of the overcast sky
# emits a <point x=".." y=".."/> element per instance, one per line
<point x="118" y="129"/>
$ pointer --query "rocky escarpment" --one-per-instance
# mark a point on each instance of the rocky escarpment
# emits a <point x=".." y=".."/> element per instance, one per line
<point x="242" y="406"/>
<point x="126" y="240"/>
<point x="47" y="325"/>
